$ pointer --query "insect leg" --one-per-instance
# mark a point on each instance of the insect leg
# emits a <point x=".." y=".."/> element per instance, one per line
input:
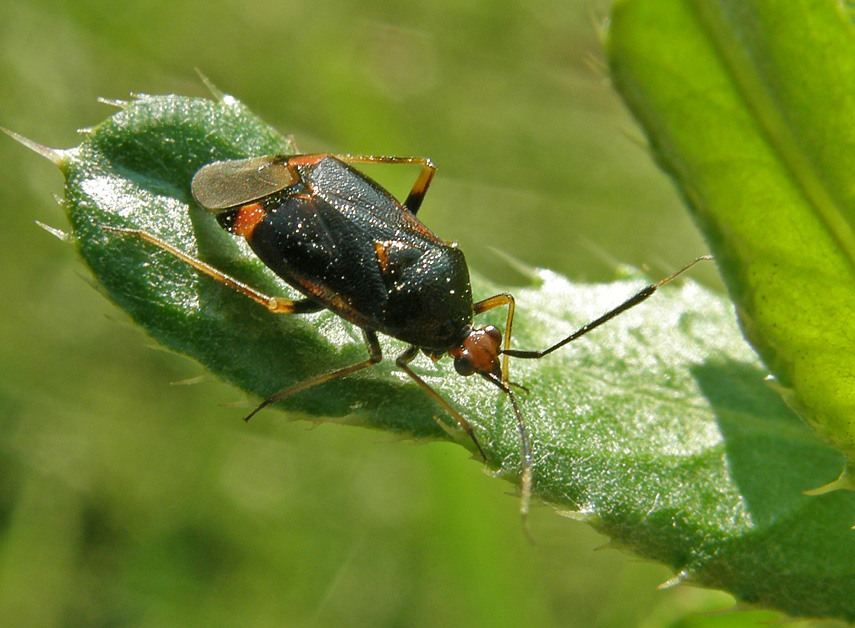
<point x="374" y="356"/>
<point x="498" y="301"/>
<point x="525" y="443"/>
<point x="279" y="305"/>
<point x="420" y="187"/>
<point x="403" y="362"/>
<point x="631" y="302"/>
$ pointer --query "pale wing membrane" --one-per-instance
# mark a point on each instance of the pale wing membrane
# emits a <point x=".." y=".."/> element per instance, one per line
<point x="225" y="184"/>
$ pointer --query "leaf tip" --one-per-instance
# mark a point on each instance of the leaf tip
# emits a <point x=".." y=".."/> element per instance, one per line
<point x="613" y="545"/>
<point x="114" y="102"/>
<point x="192" y="381"/>
<point x="844" y="482"/>
<point x="678" y="579"/>
<point x="600" y="26"/>
<point x="527" y="270"/>
<point x="215" y="91"/>
<point x="59" y="233"/>
<point x="578" y="515"/>
<point x="58" y="157"/>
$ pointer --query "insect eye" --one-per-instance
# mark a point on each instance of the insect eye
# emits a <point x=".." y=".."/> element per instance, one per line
<point x="493" y="332"/>
<point x="464" y="364"/>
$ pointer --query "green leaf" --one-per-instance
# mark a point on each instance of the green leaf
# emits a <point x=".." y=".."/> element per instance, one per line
<point x="749" y="105"/>
<point x="658" y="428"/>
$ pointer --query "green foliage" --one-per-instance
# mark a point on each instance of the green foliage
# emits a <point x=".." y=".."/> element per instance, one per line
<point x="658" y="429"/>
<point x="749" y="106"/>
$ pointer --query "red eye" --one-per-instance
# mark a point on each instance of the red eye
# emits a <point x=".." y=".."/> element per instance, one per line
<point x="494" y="333"/>
<point x="464" y="364"/>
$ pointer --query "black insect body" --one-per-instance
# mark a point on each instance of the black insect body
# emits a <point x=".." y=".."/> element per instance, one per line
<point x="349" y="246"/>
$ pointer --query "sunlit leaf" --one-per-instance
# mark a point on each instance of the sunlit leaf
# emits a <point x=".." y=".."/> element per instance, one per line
<point x="658" y="428"/>
<point x="749" y="105"/>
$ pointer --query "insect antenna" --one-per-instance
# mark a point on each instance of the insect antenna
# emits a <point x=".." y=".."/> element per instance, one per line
<point x="525" y="450"/>
<point x="638" y="297"/>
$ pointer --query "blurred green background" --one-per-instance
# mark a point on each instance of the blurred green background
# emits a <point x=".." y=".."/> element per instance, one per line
<point x="125" y="501"/>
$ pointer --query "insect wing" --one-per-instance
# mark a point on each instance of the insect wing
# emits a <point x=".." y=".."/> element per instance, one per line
<point x="226" y="184"/>
<point x="368" y="204"/>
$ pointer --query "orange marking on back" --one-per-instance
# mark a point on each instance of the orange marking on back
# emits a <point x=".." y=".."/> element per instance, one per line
<point x="380" y="249"/>
<point x="306" y="160"/>
<point x="247" y="219"/>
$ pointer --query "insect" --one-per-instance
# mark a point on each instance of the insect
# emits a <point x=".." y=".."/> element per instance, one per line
<point x="349" y="246"/>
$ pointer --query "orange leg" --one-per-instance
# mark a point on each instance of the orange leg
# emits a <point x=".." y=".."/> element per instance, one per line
<point x="498" y="301"/>
<point x="278" y="305"/>
<point x="375" y="355"/>
<point x="420" y="187"/>
<point x="403" y="363"/>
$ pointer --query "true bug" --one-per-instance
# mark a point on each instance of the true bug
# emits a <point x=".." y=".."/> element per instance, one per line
<point x="349" y="246"/>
